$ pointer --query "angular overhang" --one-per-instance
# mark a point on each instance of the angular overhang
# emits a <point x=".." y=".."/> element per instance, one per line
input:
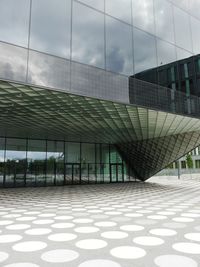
<point x="148" y="139"/>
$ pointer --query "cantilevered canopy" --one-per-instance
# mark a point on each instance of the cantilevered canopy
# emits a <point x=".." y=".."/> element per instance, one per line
<point x="147" y="139"/>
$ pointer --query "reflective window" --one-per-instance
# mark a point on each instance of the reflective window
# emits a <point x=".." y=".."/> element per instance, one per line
<point x="194" y="7"/>
<point x="143" y="15"/>
<point x="36" y="162"/>
<point x="2" y="154"/>
<point x="164" y="20"/>
<point x="48" y="70"/>
<point x="182" y="3"/>
<point x="55" y="163"/>
<point x="50" y="26"/>
<point x="96" y="4"/>
<point x="119" y="55"/>
<point x="13" y="62"/>
<point x="195" y="25"/>
<point x="166" y="52"/>
<point x="144" y="51"/>
<point x="99" y="83"/>
<point x="72" y="152"/>
<point x="15" y="159"/>
<point x="182" y="54"/>
<point x="105" y="159"/>
<point x="88" y="163"/>
<point x="72" y="163"/>
<point x="14" y="21"/>
<point x="182" y="29"/>
<point x="88" y="36"/>
<point x="120" y="9"/>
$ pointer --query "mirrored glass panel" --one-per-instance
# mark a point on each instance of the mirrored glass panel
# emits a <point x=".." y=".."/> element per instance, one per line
<point x="164" y="20"/>
<point x="119" y="49"/>
<point x="88" y="36"/>
<point x="48" y="70"/>
<point x="55" y="163"/>
<point x="182" y="54"/>
<point x="166" y="52"/>
<point x="105" y="159"/>
<point x="14" y="21"/>
<point x="72" y="152"/>
<point x="144" y="51"/>
<point x="72" y="163"/>
<point x="13" y="62"/>
<point x="167" y="70"/>
<point x="2" y="164"/>
<point x="51" y="26"/>
<point x="16" y="163"/>
<point x="143" y="15"/>
<point x="94" y="3"/>
<point x="194" y="7"/>
<point x="87" y="163"/>
<point x="36" y="163"/>
<point x="195" y="26"/>
<point x="182" y="29"/>
<point x="182" y="3"/>
<point x="120" y="9"/>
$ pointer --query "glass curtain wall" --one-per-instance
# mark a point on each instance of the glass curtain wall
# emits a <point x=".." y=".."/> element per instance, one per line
<point x="128" y="37"/>
<point x="44" y="163"/>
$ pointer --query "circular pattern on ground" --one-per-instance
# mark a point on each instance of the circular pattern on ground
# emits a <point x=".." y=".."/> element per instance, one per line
<point x="59" y="256"/>
<point x="114" y="235"/>
<point x="191" y="248"/>
<point x="99" y="263"/>
<point x="132" y="228"/>
<point x="128" y="252"/>
<point x="60" y="237"/>
<point x="148" y="241"/>
<point x="91" y="244"/>
<point x="9" y="238"/>
<point x="86" y="230"/>
<point x="3" y="256"/>
<point x="29" y="246"/>
<point x="163" y="232"/>
<point x="174" y="261"/>
<point x="38" y="231"/>
<point x="22" y="264"/>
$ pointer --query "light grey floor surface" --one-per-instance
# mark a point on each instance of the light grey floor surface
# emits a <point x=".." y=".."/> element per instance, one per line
<point x="150" y="224"/>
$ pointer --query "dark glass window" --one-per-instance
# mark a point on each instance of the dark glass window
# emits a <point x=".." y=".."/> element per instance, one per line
<point x="15" y="159"/>
<point x="2" y="162"/>
<point x="36" y="162"/>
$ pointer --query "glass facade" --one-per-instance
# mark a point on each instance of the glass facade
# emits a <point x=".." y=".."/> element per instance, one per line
<point x="31" y="162"/>
<point x="93" y="49"/>
<point x="125" y="37"/>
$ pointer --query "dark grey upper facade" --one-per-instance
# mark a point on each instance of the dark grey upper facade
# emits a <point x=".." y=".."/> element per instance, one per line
<point x="89" y="52"/>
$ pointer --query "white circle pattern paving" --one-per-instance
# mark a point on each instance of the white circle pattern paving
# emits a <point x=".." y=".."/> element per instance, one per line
<point x="175" y="261"/>
<point x="128" y="252"/>
<point x="115" y="225"/>
<point x="148" y="241"/>
<point x="99" y="263"/>
<point x="59" y="256"/>
<point x="3" y="256"/>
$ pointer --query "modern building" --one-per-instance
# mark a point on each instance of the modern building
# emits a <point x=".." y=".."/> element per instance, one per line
<point x="74" y="105"/>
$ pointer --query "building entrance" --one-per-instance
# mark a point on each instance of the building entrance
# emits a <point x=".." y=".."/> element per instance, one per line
<point x="72" y="173"/>
<point x="116" y="172"/>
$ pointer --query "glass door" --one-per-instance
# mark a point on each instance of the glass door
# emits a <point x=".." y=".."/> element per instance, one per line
<point x="72" y="173"/>
<point x="116" y="172"/>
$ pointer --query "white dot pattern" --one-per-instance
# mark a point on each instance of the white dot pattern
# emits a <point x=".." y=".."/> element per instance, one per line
<point x="113" y="225"/>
